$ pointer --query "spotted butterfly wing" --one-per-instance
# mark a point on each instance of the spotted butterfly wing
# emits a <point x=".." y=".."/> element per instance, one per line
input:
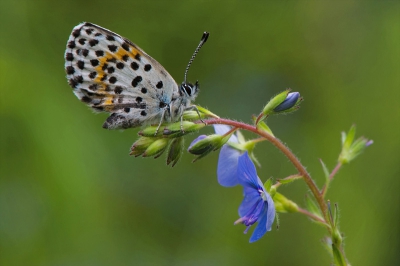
<point x="110" y="73"/>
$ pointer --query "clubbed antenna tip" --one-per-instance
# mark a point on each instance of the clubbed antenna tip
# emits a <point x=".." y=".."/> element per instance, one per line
<point x="202" y="41"/>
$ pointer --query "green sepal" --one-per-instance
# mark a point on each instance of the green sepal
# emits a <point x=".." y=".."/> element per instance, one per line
<point x="349" y="137"/>
<point x="156" y="148"/>
<point x="175" y="151"/>
<point x="268" y="185"/>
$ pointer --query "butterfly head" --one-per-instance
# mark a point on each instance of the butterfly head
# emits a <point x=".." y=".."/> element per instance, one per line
<point x="189" y="90"/>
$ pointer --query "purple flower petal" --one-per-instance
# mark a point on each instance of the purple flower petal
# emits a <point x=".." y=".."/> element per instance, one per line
<point x="247" y="174"/>
<point x="270" y="212"/>
<point x="261" y="228"/>
<point x="228" y="159"/>
<point x="196" y="140"/>
<point x="257" y="204"/>
<point x="265" y="221"/>
<point x="250" y="199"/>
<point x="227" y="166"/>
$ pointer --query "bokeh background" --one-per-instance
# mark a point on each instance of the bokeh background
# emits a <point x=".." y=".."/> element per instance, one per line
<point x="71" y="195"/>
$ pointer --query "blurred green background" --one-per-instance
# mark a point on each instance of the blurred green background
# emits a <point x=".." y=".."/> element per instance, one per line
<point x="71" y="195"/>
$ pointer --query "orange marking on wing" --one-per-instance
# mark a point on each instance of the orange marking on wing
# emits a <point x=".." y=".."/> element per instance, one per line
<point x="132" y="53"/>
<point x="99" y="68"/>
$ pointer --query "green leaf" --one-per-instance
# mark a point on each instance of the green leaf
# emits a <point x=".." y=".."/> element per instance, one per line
<point x="262" y="126"/>
<point x="312" y="206"/>
<point x="326" y="173"/>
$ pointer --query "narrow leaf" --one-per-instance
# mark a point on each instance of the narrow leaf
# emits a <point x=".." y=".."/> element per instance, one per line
<point x="312" y="206"/>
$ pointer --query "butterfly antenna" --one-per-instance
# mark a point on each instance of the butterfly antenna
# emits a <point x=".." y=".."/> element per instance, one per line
<point x="202" y="41"/>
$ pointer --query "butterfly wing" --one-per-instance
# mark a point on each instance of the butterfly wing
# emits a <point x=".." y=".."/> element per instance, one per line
<point x="110" y="73"/>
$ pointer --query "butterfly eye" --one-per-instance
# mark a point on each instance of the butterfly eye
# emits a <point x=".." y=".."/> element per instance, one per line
<point x="187" y="88"/>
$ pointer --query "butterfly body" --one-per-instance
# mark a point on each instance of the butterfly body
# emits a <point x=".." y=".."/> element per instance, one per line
<point x="110" y="73"/>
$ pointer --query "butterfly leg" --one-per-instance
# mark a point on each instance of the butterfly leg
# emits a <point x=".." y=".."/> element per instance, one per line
<point x="194" y="107"/>
<point x="161" y="121"/>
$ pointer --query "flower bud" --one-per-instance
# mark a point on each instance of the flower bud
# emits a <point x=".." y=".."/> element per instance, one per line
<point x="175" y="151"/>
<point x="194" y="115"/>
<point x="274" y="102"/>
<point x="290" y="101"/>
<point x="282" y="204"/>
<point x="203" y="145"/>
<point x="139" y="147"/>
<point x="206" y="144"/>
<point x="179" y="129"/>
<point x="156" y="148"/>
<point x="350" y="149"/>
<point x="151" y="131"/>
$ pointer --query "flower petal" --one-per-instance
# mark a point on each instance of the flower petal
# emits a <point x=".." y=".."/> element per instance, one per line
<point x="266" y="220"/>
<point x="223" y="129"/>
<point x="261" y="229"/>
<point x="227" y="166"/>
<point x="270" y="212"/>
<point x="246" y="172"/>
<point x="250" y="199"/>
<point x="196" y="140"/>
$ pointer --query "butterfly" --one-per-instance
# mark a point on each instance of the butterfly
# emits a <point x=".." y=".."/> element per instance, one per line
<point x="112" y="74"/>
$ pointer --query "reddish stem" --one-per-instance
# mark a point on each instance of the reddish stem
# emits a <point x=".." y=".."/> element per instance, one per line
<point x="312" y="216"/>
<point x="333" y="173"/>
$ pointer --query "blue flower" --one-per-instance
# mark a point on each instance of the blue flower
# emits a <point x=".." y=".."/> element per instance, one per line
<point x="289" y="102"/>
<point x="257" y="204"/>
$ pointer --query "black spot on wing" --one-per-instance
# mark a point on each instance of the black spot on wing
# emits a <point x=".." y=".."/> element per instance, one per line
<point x="70" y="70"/>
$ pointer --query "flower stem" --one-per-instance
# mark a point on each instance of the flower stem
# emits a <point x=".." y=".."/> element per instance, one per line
<point x="286" y="151"/>
<point x="312" y="216"/>
<point x="333" y="173"/>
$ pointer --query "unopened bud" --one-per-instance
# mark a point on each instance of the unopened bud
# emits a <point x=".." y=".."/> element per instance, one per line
<point x="139" y="147"/>
<point x="156" y="148"/>
<point x="290" y="101"/>
<point x="179" y="129"/>
<point x="283" y="204"/>
<point x="175" y="151"/>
